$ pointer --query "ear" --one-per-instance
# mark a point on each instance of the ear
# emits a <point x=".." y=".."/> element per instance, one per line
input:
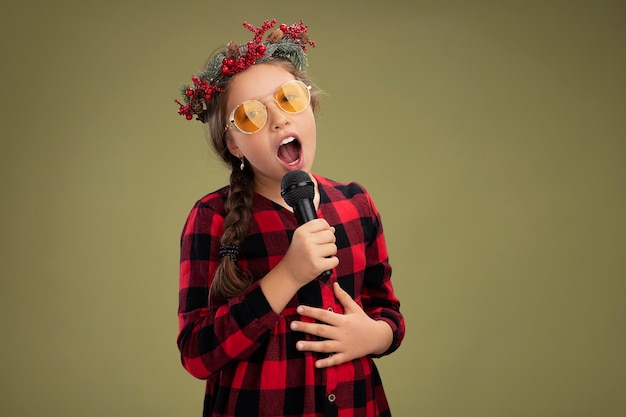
<point x="233" y="148"/>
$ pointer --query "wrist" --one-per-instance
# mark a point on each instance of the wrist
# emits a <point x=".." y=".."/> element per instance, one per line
<point x="384" y="337"/>
<point x="279" y="287"/>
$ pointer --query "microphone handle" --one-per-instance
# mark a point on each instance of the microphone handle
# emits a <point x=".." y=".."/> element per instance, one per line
<point x="305" y="212"/>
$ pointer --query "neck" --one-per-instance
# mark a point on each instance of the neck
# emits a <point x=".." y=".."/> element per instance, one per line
<point x="271" y="191"/>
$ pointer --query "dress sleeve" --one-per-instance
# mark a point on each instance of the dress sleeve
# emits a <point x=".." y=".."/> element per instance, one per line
<point x="378" y="297"/>
<point x="213" y="336"/>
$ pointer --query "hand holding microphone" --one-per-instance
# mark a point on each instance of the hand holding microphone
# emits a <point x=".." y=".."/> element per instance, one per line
<point x="316" y="240"/>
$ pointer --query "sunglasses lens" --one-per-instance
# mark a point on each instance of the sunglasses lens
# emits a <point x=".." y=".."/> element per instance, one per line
<point x="250" y="116"/>
<point x="293" y="97"/>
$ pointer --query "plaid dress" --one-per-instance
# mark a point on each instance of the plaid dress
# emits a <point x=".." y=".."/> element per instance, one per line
<point x="244" y="350"/>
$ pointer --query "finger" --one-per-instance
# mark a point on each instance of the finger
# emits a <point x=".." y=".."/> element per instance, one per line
<point x="319" y="237"/>
<point x="315" y="329"/>
<point x="328" y="249"/>
<point x="328" y="262"/>
<point x="316" y="225"/>
<point x="322" y="346"/>
<point x="320" y="314"/>
<point x="332" y="360"/>
<point x="326" y="236"/>
<point x="344" y="298"/>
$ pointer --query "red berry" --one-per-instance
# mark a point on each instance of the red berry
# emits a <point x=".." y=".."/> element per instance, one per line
<point x="230" y="62"/>
<point x="261" y="49"/>
<point x="189" y="92"/>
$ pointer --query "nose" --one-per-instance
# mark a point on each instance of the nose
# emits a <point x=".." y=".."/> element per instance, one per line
<point x="277" y="118"/>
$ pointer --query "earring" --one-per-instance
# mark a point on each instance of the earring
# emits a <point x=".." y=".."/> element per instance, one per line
<point x="243" y="165"/>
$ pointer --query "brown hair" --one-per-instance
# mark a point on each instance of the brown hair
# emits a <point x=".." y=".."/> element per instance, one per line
<point x="230" y="280"/>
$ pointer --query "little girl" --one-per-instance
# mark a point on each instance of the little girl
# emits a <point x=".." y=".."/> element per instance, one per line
<point x="270" y="333"/>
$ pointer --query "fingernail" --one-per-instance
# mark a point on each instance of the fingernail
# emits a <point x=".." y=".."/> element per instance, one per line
<point x="300" y="309"/>
<point x="300" y="346"/>
<point x="294" y="325"/>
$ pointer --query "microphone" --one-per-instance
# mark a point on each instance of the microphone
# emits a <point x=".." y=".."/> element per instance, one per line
<point x="298" y="190"/>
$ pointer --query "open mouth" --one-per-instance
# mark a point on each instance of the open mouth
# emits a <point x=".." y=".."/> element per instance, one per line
<point x="289" y="150"/>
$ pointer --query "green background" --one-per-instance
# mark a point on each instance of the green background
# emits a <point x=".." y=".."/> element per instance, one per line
<point x="491" y="135"/>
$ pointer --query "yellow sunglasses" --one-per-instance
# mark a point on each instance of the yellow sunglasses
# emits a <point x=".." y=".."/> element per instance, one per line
<point x="250" y="116"/>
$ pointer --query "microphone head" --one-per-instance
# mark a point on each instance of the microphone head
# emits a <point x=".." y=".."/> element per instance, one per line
<point x="296" y="186"/>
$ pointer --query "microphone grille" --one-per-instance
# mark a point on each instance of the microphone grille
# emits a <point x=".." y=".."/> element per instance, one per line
<point x="296" y="186"/>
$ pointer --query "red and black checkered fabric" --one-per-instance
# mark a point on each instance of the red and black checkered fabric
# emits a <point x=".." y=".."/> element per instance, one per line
<point x="244" y="350"/>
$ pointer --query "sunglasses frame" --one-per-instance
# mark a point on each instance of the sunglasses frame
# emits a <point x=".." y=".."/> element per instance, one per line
<point x="231" y="118"/>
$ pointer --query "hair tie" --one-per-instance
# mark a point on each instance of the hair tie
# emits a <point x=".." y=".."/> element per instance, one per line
<point x="229" y="250"/>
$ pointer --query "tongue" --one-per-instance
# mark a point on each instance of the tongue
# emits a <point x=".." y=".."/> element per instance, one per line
<point x="289" y="152"/>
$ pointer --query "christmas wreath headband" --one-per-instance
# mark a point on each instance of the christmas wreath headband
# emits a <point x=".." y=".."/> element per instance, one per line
<point x="287" y="42"/>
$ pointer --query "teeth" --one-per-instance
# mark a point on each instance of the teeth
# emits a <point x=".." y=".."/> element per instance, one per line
<point x="287" y="140"/>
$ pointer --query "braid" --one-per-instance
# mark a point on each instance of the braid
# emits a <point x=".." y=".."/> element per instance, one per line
<point x="230" y="280"/>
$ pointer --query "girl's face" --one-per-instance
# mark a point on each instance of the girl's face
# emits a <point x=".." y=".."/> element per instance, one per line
<point x="286" y="142"/>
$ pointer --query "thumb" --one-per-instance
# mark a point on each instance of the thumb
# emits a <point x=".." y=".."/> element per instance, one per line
<point x="344" y="298"/>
